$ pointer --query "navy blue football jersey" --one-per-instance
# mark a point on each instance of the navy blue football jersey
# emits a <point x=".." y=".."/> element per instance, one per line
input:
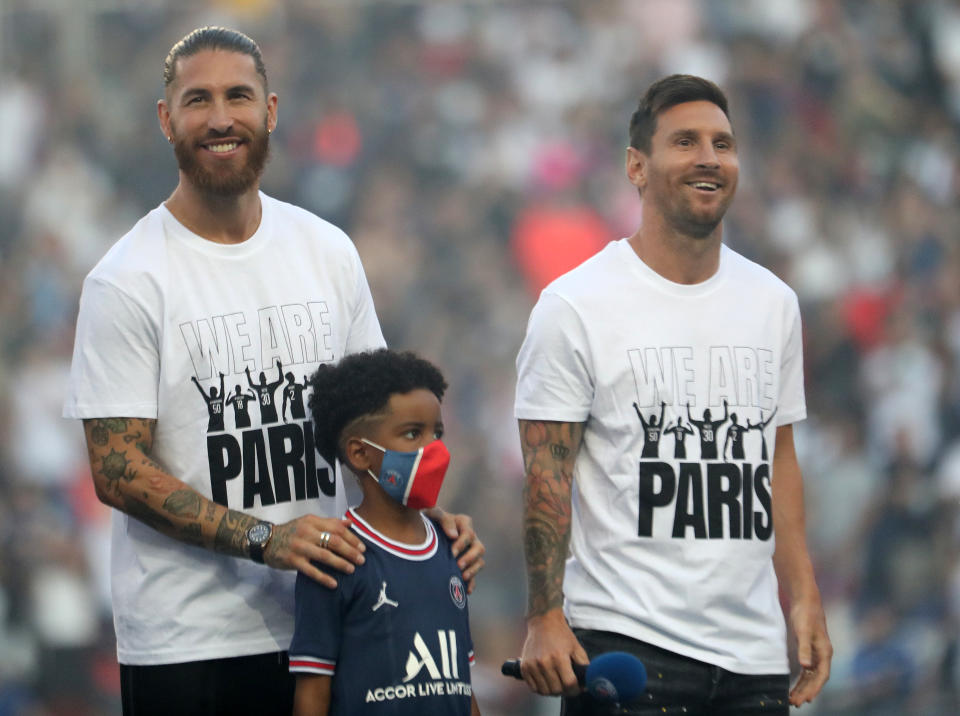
<point x="394" y="635"/>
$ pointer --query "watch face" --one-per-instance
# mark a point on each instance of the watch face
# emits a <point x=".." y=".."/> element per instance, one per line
<point x="259" y="533"/>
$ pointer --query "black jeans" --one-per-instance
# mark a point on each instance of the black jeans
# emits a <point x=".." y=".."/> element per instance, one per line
<point x="259" y="685"/>
<point x="680" y="685"/>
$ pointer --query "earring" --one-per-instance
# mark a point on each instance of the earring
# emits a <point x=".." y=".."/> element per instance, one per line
<point x="170" y="139"/>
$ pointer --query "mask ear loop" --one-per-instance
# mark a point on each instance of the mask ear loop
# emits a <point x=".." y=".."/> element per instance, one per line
<point x="378" y="447"/>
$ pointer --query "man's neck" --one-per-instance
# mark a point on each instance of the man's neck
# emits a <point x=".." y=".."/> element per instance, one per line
<point x="676" y="256"/>
<point x="223" y="220"/>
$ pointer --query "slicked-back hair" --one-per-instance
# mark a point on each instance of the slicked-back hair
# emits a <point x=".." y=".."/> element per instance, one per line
<point x="213" y="38"/>
<point x="664" y="94"/>
<point x="360" y="386"/>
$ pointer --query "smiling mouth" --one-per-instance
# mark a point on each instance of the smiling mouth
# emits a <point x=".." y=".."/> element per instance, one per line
<point x="704" y="185"/>
<point x="222" y="147"/>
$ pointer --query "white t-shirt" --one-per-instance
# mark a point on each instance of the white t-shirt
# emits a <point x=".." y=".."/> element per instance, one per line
<point x="660" y="548"/>
<point x="165" y="307"/>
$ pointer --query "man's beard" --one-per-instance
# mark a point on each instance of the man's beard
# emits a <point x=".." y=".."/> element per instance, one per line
<point x="687" y="220"/>
<point x="225" y="183"/>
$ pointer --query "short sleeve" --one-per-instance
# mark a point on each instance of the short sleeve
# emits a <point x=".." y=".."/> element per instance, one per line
<point x="115" y="369"/>
<point x="554" y="367"/>
<point x="318" y="626"/>
<point x="792" y="405"/>
<point x="365" y="333"/>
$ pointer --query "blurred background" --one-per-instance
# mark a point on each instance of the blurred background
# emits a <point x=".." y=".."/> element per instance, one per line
<point x="474" y="151"/>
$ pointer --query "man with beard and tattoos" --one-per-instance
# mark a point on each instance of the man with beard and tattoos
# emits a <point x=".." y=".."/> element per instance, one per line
<point x="210" y="524"/>
<point x="676" y="556"/>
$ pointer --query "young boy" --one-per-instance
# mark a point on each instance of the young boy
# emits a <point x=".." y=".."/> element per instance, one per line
<point x="393" y="637"/>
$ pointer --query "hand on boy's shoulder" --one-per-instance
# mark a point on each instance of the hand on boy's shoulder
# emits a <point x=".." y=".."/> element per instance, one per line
<point x="466" y="547"/>
<point x="309" y="540"/>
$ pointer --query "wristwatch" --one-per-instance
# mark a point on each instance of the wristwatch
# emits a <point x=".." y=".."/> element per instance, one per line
<point x="257" y="537"/>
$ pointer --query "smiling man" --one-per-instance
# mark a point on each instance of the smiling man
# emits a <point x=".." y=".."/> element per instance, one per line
<point x="677" y="560"/>
<point x="213" y="512"/>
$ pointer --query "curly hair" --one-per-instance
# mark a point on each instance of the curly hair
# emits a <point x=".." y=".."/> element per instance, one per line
<point x="360" y="385"/>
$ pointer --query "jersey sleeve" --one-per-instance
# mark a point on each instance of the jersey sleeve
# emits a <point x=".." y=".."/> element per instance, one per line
<point x="554" y="366"/>
<point x="792" y="405"/>
<point x="365" y="333"/>
<point x="115" y="370"/>
<point x="318" y="625"/>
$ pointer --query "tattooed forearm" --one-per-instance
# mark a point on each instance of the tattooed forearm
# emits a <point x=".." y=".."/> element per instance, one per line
<point x="545" y="551"/>
<point x="192" y="534"/>
<point x="549" y="451"/>
<point x="183" y="503"/>
<point x="231" y="532"/>
<point x="143" y="512"/>
<point x="127" y="479"/>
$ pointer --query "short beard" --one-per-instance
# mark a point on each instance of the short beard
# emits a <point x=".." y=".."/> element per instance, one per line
<point x="696" y="229"/>
<point x="226" y="185"/>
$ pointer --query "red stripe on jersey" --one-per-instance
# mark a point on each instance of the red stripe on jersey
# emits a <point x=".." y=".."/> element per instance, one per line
<point x="471" y="658"/>
<point x="387" y="543"/>
<point x="304" y="663"/>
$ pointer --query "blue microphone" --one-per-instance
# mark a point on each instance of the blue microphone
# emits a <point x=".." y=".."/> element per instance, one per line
<point x="613" y="676"/>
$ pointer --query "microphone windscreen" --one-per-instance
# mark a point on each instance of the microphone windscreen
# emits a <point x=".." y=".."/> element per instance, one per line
<point x="616" y="676"/>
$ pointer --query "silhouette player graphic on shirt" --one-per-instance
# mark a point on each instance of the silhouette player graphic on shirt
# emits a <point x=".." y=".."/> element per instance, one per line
<point x="734" y="439"/>
<point x="265" y="394"/>
<point x="238" y="401"/>
<point x="708" y="431"/>
<point x="679" y="432"/>
<point x="214" y="404"/>
<point x="651" y="431"/>
<point x="293" y="393"/>
<point x="761" y="426"/>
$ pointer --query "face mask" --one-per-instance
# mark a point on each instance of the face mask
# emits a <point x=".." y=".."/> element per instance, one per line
<point x="413" y="478"/>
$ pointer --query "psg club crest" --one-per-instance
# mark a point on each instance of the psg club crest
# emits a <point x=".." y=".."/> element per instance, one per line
<point x="458" y="593"/>
<point x="603" y="689"/>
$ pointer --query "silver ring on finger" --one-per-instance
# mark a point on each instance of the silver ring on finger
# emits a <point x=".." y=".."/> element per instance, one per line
<point x="324" y="539"/>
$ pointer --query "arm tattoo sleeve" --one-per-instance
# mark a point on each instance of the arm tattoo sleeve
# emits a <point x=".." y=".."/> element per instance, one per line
<point x="231" y="532"/>
<point x="129" y="480"/>
<point x="549" y="452"/>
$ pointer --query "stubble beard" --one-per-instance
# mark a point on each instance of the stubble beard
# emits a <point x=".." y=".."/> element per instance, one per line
<point x="224" y="184"/>
<point x="686" y="220"/>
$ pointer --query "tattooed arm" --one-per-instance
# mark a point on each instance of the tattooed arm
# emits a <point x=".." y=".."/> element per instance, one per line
<point x="127" y="479"/>
<point x="549" y="452"/>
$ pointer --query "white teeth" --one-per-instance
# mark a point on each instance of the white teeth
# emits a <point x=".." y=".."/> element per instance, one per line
<point x="222" y="147"/>
<point x="705" y="185"/>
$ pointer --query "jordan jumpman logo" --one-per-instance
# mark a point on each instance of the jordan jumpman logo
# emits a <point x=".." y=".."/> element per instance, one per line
<point x="383" y="599"/>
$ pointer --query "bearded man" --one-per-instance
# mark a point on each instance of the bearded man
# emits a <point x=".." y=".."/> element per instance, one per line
<point x="217" y="281"/>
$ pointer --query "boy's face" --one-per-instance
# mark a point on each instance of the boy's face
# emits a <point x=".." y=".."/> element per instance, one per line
<point x="412" y="421"/>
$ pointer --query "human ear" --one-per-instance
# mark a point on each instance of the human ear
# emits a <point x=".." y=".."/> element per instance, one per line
<point x="272" y="103"/>
<point x="360" y="456"/>
<point x="163" y="116"/>
<point x="636" y="166"/>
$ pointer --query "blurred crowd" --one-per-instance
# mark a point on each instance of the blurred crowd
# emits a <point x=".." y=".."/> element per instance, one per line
<point x="473" y="151"/>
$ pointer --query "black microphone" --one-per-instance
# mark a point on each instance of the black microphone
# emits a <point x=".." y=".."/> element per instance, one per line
<point x="613" y="676"/>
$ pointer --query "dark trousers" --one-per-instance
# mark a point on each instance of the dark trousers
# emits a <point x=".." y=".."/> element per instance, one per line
<point x="258" y="685"/>
<point x="680" y="685"/>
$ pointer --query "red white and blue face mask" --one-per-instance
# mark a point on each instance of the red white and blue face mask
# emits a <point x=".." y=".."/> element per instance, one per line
<point x="413" y="478"/>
